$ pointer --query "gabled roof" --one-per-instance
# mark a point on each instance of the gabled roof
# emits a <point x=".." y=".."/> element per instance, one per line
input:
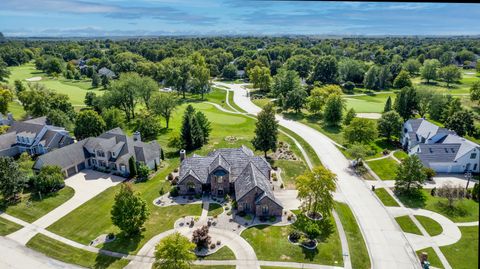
<point x="219" y="161"/>
<point x="250" y="179"/>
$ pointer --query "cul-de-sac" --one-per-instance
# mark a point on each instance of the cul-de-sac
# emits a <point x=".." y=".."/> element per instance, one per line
<point x="239" y="134"/>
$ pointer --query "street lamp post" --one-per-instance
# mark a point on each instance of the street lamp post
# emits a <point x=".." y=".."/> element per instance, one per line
<point x="468" y="176"/>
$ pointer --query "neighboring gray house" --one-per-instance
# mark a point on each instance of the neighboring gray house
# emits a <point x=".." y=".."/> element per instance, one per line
<point x="106" y="72"/>
<point x="439" y="148"/>
<point x="110" y="151"/>
<point x="231" y="170"/>
<point x="34" y="136"/>
<point x="6" y="120"/>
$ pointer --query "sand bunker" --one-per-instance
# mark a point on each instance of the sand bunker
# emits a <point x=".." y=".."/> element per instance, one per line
<point x="34" y="79"/>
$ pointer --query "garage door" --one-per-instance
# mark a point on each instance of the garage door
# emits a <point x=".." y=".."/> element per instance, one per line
<point x="71" y="171"/>
<point x="81" y="166"/>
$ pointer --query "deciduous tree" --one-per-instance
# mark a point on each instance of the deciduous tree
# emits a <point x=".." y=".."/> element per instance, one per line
<point x="402" y="80"/>
<point x="12" y="179"/>
<point x="174" y="252"/>
<point x="389" y="124"/>
<point x="164" y="104"/>
<point x="129" y="211"/>
<point x="360" y="130"/>
<point x="449" y="74"/>
<point x="410" y="175"/>
<point x="266" y="131"/>
<point x="88" y="124"/>
<point x="406" y="102"/>
<point x="49" y="179"/>
<point x="333" y="113"/>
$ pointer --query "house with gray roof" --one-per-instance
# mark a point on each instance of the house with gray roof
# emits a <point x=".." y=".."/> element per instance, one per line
<point x="440" y="148"/>
<point x="33" y="136"/>
<point x="235" y="171"/>
<point x="109" y="151"/>
<point x="106" y="72"/>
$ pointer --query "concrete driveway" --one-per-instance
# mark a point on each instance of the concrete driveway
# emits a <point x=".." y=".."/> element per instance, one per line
<point x="387" y="245"/>
<point x="87" y="184"/>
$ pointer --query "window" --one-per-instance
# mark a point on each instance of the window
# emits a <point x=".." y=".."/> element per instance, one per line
<point x="473" y="155"/>
<point x="475" y="167"/>
<point x="219" y="179"/>
<point x="100" y="153"/>
<point x="265" y="210"/>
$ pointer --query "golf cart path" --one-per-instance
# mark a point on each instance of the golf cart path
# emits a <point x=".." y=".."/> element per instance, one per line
<point x="387" y="245"/>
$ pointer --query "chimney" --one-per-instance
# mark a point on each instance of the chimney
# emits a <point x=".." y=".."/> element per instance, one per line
<point x="136" y="136"/>
<point x="183" y="154"/>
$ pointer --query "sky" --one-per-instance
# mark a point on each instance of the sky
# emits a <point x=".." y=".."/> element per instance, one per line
<point x="87" y="18"/>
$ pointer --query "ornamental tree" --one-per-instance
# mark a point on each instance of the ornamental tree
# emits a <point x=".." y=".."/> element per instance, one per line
<point x="129" y="211"/>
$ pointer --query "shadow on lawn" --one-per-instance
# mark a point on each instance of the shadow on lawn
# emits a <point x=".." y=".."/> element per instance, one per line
<point x="413" y="199"/>
<point x="104" y="261"/>
<point x="123" y="243"/>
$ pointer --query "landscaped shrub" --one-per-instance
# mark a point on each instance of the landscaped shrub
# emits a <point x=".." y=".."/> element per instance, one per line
<point x="201" y="237"/>
<point x="241" y="214"/>
<point x="212" y="246"/>
<point x="295" y="236"/>
<point x="174" y="192"/>
<point x="170" y="177"/>
<point x="430" y="173"/>
<point x="475" y="192"/>
<point x="142" y="172"/>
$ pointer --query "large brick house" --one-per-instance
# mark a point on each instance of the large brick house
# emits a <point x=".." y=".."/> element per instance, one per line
<point x="235" y="171"/>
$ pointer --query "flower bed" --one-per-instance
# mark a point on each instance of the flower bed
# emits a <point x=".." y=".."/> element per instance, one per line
<point x="298" y="238"/>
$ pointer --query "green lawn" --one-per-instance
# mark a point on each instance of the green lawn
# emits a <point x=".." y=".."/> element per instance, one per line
<point x="270" y="243"/>
<point x="93" y="218"/>
<point x="433" y="228"/>
<point x="261" y="102"/>
<point x="225" y="253"/>
<point x="432" y="257"/>
<point x="356" y="244"/>
<point x="8" y="227"/>
<point x="32" y="208"/>
<point x="76" y="90"/>
<point x="464" y="253"/>
<point x="385" y="197"/>
<point x="384" y="168"/>
<point x="214" y="209"/>
<point x="17" y="110"/>
<point x="60" y="251"/>
<point x="400" y="154"/>
<point x="368" y="103"/>
<point x="408" y="225"/>
<point x="464" y="211"/>
<point x="290" y="171"/>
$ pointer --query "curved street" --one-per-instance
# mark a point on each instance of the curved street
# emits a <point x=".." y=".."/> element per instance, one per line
<point x="387" y="245"/>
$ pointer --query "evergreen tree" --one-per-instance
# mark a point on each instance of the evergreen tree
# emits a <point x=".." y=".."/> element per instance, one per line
<point x="388" y="105"/>
<point x="132" y="165"/>
<point x="266" y="131"/>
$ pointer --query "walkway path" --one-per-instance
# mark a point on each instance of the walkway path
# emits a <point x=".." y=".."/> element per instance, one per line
<point x="87" y="184"/>
<point x="387" y="244"/>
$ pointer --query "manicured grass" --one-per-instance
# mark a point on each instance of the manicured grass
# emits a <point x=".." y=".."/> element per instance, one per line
<point x="17" y="110"/>
<point x="408" y="225"/>
<point x="433" y="228"/>
<point x="464" y="253"/>
<point x="271" y="243"/>
<point x="368" y="103"/>
<point x="225" y="253"/>
<point x="261" y="102"/>
<point x="32" y="208"/>
<point x="60" y="251"/>
<point x="432" y="257"/>
<point x="385" y="197"/>
<point x="384" y="168"/>
<point x="290" y="171"/>
<point x="214" y="209"/>
<point x="464" y="211"/>
<point x="400" y="154"/>
<point x="93" y="218"/>
<point x="76" y="90"/>
<point x="8" y="227"/>
<point x="218" y="96"/>
<point x="356" y="245"/>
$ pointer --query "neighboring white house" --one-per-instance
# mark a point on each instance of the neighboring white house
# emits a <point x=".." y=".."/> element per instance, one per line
<point x="440" y="148"/>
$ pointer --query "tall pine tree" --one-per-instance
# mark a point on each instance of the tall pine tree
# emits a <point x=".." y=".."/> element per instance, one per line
<point x="266" y="131"/>
<point x="388" y="105"/>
